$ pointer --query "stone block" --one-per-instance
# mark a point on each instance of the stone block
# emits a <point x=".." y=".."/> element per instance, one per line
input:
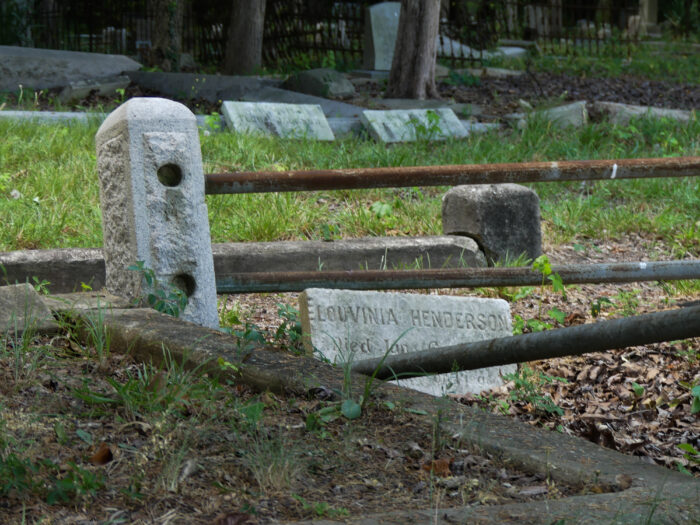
<point x="622" y="114"/>
<point x="293" y="121"/>
<point x="504" y="219"/>
<point x="412" y="124"/>
<point x="82" y="88"/>
<point x="372" y="253"/>
<point x="22" y="310"/>
<point x="323" y="82"/>
<point x="153" y="209"/>
<point x="50" y="68"/>
<point x="381" y="28"/>
<point x="347" y="326"/>
<point x="574" y="114"/>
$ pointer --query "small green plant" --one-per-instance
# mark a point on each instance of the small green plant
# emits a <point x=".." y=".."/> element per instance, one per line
<point x="527" y="388"/>
<point x="150" y="390"/>
<point x="41" y="285"/>
<point x="98" y="335"/>
<point x="169" y="300"/>
<point x="213" y="121"/>
<point x="691" y="454"/>
<point x="381" y="209"/>
<point x="274" y="461"/>
<point x="20" y="477"/>
<point x="288" y="334"/>
<point x="542" y="265"/>
<point x="598" y="304"/>
<point x="462" y="79"/>
<point x="429" y="130"/>
<point x="321" y="509"/>
<point x="627" y="302"/>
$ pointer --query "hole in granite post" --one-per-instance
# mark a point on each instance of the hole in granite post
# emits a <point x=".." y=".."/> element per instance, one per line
<point x="170" y="175"/>
<point x="186" y="283"/>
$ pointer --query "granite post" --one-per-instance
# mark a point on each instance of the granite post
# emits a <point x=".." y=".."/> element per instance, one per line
<point x="153" y="209"/>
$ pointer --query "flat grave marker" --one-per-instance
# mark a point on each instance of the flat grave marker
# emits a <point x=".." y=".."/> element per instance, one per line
<point x="408" y="125"/>
<point x="348" y="325"/>
<point x="294" y="121"/>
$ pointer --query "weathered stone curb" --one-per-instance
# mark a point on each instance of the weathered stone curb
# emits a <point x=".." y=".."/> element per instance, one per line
<point x="67" y="268"/>
<point x="643" y="491"/>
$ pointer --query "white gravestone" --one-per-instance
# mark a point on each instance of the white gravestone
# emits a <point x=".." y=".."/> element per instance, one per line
<point x="408" y="125"/>
<point x="346" y="325"/>
<point x="381" y="28"/>
<point x="293" y="121"/>
<point x="153" y="210"/>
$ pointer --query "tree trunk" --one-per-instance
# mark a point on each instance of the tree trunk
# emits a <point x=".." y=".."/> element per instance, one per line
<point x="245" y="37"/>
<point x="167" y="34"/>
<point x="413" y="67"/>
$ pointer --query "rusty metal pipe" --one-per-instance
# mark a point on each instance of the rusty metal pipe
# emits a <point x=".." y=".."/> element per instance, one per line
<point x="644" y="329"/>
<point x="453" y="278"/>
<point x="398" y="177"/>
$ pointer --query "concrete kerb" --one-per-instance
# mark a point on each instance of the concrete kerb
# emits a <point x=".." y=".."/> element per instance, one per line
<point x="622" y="488"/>
<point x="66" y="269"/>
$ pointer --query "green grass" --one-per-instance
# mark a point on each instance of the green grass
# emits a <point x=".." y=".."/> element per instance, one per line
<point x="672" y="62"/>
<point x="54" y="169"/>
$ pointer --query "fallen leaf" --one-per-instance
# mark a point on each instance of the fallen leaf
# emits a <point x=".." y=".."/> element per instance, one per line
<point x="232" y="518"/>
<point x="102" y="456"/>
<point x="438" y="467"/>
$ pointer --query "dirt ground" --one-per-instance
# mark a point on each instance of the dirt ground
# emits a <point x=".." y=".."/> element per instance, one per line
<point x="87" y="440"/>
<point x="499" y="96"/>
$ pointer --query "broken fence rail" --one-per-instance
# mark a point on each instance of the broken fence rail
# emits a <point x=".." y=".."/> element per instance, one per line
<point x="644" y="329"/>
<point x="410" y="176"/>
<point x="455" y="278"/>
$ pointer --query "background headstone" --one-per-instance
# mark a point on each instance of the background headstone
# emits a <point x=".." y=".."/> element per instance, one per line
<point x="407" y="125"/>
<point x="293" y="121"/>
<point x="381" y="28"/>
<point x="152" y="195"/>
<point x="345" y="325"/>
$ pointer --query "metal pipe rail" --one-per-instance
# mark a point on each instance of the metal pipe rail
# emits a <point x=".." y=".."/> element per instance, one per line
<point x="399" y="177"/>
<point x="254" y="282"/>
<point x="643" y="329"/>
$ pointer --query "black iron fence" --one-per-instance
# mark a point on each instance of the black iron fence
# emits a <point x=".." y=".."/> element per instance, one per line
<point x="303" y="33"/>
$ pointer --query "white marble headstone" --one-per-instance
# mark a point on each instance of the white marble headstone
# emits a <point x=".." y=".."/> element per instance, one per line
<point x="344" y="325"/>
<point x="408" y="125"/>
<point x="293" y="121"/>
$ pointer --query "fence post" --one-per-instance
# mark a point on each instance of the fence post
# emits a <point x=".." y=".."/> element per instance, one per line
<point x="153" y="210"/>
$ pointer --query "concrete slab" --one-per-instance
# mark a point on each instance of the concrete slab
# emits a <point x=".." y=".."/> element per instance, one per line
<point x="66" y="269"/>
<point x="622" y="114"/>
<point x="622" y="489"/>
<point x="49" y="68"/>
<point x="288" y="121"/>
<point x="80" y="89"/>
<point x="54" y="117"/>
<point x="410" y="125"/>
<point x="22" y="311"/>
<point x="214" y="88"/>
